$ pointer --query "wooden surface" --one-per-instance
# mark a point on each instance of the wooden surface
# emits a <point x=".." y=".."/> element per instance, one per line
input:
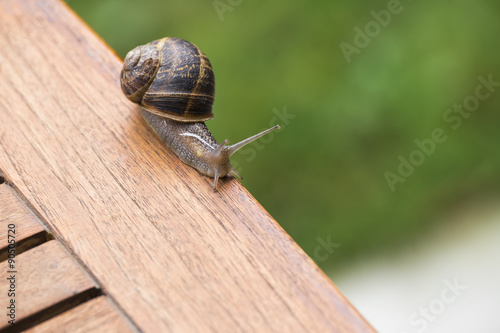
<point x="94" y="316"/>
<point x="28" y="232"/>
<point x="172" y="254"/>
<point x="45" y="276"/>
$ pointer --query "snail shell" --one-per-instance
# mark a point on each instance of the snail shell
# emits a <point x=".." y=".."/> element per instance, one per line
<point x="171" y="78"/>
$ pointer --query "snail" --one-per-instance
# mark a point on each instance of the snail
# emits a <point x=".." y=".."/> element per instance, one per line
<point x="173" y="83"/>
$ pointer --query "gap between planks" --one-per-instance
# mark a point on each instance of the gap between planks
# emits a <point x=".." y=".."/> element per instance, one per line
<point x="41" y="238"/>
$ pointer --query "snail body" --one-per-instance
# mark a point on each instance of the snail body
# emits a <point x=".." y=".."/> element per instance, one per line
<point x="173" y="83"/>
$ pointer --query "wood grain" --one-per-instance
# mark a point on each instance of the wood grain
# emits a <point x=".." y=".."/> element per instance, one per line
<point x="173" y="254"/>
<point x="44" y="276"/>
<point x="28" y="231"/>
<point x="95" y="316"/>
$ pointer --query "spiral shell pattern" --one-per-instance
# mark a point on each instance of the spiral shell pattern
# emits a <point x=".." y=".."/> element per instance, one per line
<point x="171" y="78"/>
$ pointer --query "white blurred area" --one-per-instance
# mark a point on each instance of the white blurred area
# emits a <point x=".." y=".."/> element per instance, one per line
<point x="405" y="292"/>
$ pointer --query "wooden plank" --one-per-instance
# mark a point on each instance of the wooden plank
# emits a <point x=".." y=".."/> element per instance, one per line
<point x="42" y="278"/>
<point x="173" y="254"/>
<point x="26" y="231"/>
<point x="95" y="316"/>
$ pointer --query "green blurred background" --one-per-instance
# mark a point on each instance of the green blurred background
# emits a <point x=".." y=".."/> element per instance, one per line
<point x="322" y="176"/>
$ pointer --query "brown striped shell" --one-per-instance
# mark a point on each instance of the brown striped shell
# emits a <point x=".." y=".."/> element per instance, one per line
<point x="171" y="78"/>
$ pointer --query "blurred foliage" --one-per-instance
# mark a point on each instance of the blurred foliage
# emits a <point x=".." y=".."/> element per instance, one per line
<point x="322" y="175"/>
